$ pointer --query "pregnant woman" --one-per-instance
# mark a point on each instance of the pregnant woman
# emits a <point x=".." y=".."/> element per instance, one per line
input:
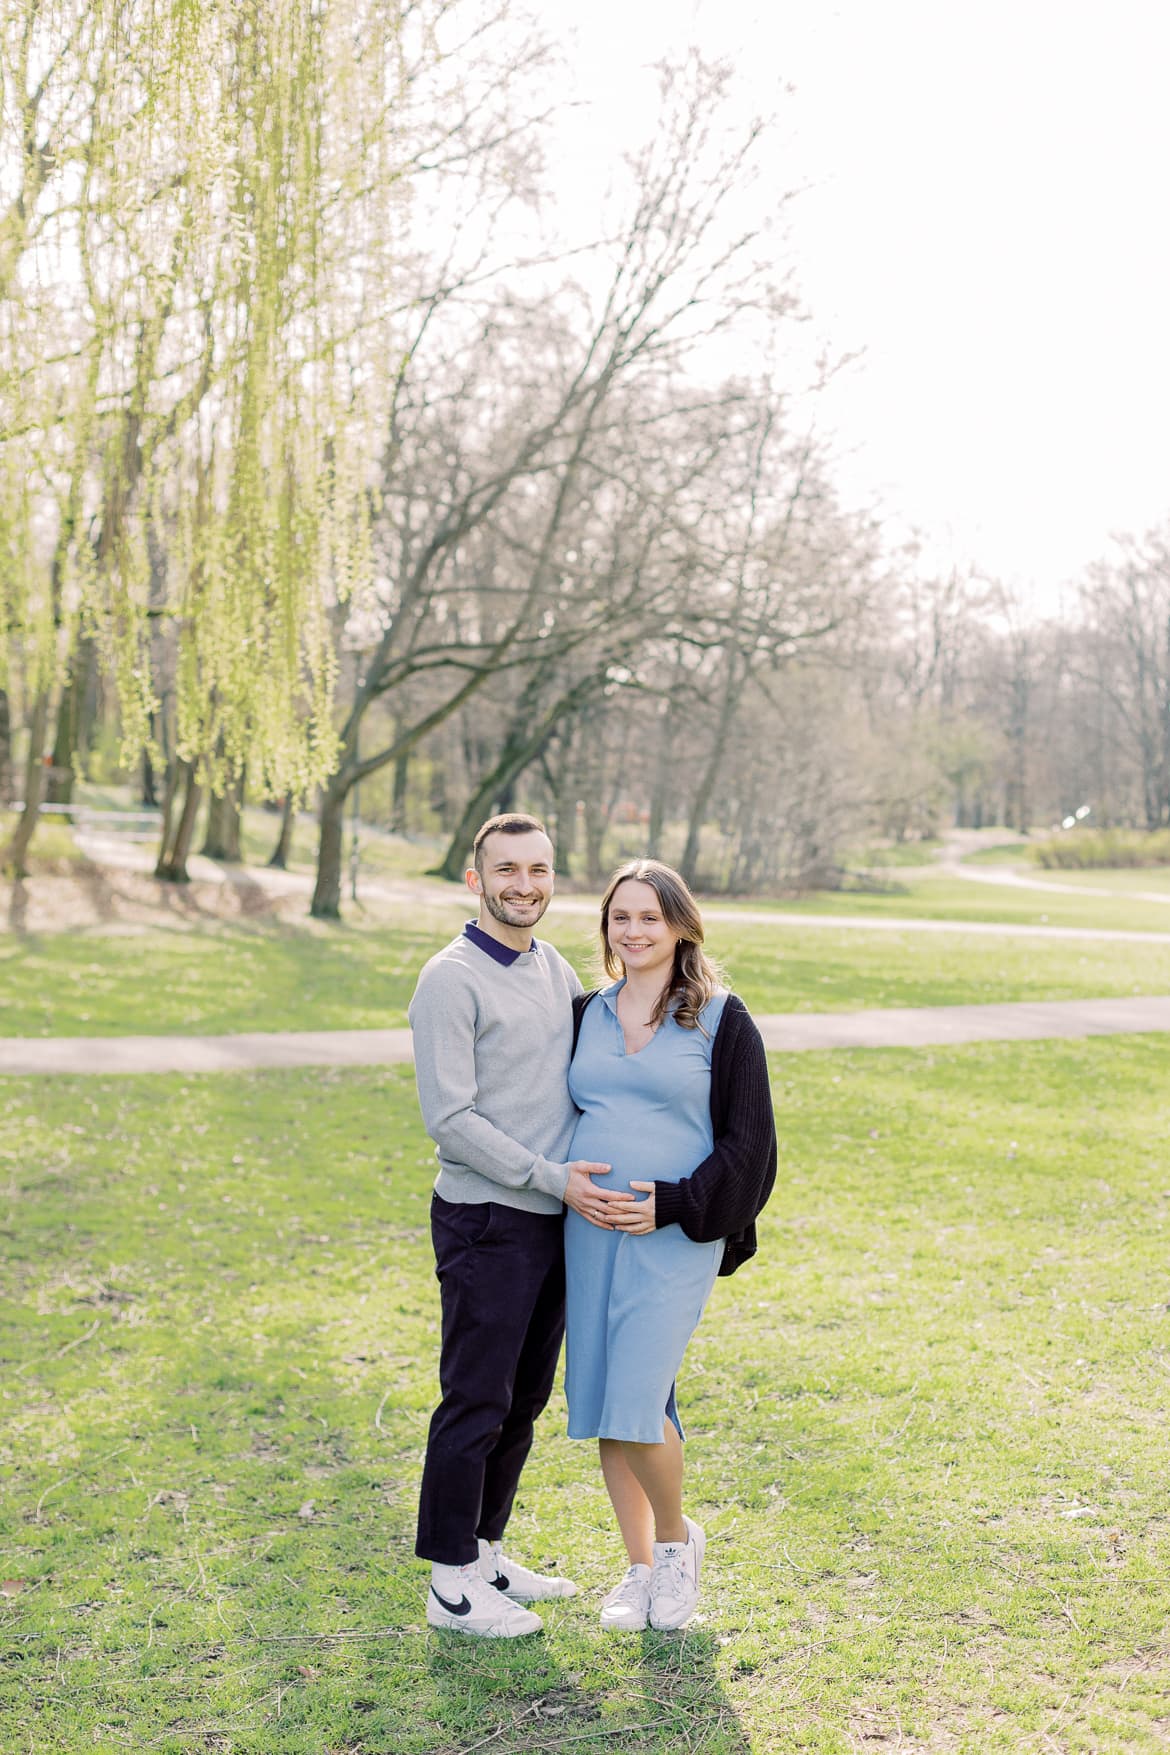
<point x="671" y="1079"/>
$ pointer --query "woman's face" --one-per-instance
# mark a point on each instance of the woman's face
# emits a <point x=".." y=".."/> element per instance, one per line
<point x="637" y="931"/>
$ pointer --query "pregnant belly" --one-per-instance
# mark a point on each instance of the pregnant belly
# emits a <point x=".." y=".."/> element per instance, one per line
<point x="660" y="1151"/>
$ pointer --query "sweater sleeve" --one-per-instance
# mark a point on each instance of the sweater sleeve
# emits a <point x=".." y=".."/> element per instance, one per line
<point x="442" y="1017"/>
<point x="727" y="1191"/>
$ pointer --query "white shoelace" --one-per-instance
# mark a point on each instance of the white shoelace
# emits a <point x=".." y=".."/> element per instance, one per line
<point x="671" y="1576"/>
<point x="630" y="1593"/>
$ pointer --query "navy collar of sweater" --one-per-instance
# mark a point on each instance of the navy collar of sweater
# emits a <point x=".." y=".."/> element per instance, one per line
<point x="502" y="953"/>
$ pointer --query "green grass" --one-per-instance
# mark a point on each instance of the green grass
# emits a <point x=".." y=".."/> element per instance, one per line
<point x="926" y="1430"/>
<point x="893" y="853"/>
<point x="1131" y="880"/>
<point x="233" y="978"/>
<point x="260" y="830"/>
<point x="925" y="896"/>
<point x="848" y="970"/>
<point x="1006" y="853"/>
<point x="211" y="982"/>
<point x="380" y="856"/>
<point x="53" y="848"/>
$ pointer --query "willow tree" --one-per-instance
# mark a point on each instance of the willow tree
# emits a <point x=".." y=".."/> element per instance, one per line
<point x="198" y="241"/>
<point x="502" y="405"/>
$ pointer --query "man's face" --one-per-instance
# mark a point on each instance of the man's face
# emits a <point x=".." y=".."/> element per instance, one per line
<point x="516" y="880"/>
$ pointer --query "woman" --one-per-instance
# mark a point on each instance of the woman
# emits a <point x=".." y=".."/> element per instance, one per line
<point x="671" y="1079"/>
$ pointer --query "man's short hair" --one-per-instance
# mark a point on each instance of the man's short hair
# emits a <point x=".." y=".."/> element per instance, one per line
<point x="510" y="822"/>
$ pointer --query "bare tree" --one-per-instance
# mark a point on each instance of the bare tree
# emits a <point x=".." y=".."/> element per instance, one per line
<point x="519" y="429"/>
<point x="1127" y="612"/>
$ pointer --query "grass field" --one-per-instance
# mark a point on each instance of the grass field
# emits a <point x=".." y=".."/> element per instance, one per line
<point x="923" y="895"/>
<point x="1139" y="880"/>
<point x="284" y="978"/>
<point x="927" y="1430"/>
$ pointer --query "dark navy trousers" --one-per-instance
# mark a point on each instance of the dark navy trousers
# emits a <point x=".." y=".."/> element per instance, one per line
<point x="502" y="1283"/>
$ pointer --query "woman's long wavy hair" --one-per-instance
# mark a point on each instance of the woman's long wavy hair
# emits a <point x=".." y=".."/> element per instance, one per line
<point x="695" y="977"/>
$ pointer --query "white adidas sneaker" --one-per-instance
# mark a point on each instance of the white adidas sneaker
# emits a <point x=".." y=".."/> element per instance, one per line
<point x="516" y="1581"/>
<point x="626" y="1608"/>
<point x="476" y="1608"/>
<point x="674" y="1581"/>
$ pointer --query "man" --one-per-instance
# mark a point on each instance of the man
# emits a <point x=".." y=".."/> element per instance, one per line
<point x="492" y="1022"/>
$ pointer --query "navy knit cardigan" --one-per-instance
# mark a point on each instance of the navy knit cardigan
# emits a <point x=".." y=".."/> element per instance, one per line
<point x="725" y="1194"/>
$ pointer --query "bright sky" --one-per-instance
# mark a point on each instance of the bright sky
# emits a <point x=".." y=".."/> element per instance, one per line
<point x="987" y="215"/>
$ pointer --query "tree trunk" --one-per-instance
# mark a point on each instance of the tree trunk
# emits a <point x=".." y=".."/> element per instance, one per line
<point x="170" y="793"/>
<point x="398" y="799"/>
<point x="522" y="745"/>
<point x="597" y="798"/>
<point x="178" y="835"/>
<point x="701" y="798"/>
<point x="1164" y="718"/>
<point x="326" y="903"/>
<point x="73" y="718"/>
<point x="565" y="825"/>
<point x="484" y="802"/>
<point x="438" y="796"/>
<point x="5" y="748"/>
<point x="596" y="823"/>
<point x="664" y="772"/>
<point x="16" y="852"/>
<point x="222" y="840"/>
<point x="149" y="797"/>
<point x="279" y="859"/>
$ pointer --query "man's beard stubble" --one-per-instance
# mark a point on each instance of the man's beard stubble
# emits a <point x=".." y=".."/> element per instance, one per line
<point x="501" y="912"/>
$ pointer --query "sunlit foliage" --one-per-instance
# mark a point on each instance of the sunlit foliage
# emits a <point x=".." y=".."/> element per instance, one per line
<point x="200" y="207"/>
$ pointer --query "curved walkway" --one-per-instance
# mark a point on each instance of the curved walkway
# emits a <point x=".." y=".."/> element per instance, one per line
<point x="786" y="1032"/>
<point x="954" y="861"/>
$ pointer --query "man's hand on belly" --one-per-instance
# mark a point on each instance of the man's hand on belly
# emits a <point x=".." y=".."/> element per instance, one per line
<point x="584" y="1197"/>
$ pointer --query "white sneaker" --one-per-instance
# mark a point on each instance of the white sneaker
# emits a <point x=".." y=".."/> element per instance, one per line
<point x="516" y="1581"/>
<point x="674" y="1583"/>
<point x="477" y="1609"/>
<point x="628" y="1604"/>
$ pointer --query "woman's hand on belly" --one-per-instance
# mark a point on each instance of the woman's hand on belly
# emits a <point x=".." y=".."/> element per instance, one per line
<point x="628" y="1214"/>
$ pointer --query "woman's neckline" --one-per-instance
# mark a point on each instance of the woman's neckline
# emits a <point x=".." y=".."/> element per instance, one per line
<point x="632" y="1053"/>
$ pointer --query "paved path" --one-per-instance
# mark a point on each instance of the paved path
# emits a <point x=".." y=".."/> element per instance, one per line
<point x="1014" y="880"/>
<point x="939" y="1025"/>
<point x="790" y="1033"/>
<point x="199" y="1054"/>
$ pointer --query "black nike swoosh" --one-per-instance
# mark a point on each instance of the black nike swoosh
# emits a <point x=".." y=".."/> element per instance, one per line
<point x="462" y="1607"/>
<point x="501" y="1583"/>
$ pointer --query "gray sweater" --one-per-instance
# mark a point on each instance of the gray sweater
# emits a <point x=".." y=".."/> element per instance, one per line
<point x="491" y="1057"/>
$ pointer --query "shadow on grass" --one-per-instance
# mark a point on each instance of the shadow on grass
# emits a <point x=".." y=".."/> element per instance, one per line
<point x="653" y="1696"/>
<point x="507" y="1694"/>
<point x="680" y="1676"/>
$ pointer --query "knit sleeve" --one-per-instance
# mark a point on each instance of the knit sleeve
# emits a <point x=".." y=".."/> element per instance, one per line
<point x="442" y="1017"/>
<point x="728" y="1190"/>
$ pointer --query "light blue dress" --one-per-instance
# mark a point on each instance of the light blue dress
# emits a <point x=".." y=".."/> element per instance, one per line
<point x="634" y="1302"/>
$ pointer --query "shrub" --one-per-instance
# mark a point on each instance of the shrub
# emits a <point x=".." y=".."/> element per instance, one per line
<point x="1086" y="849"/>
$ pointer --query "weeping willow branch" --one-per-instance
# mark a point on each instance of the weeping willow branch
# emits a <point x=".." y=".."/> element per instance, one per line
<point x="199" y="241"/>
